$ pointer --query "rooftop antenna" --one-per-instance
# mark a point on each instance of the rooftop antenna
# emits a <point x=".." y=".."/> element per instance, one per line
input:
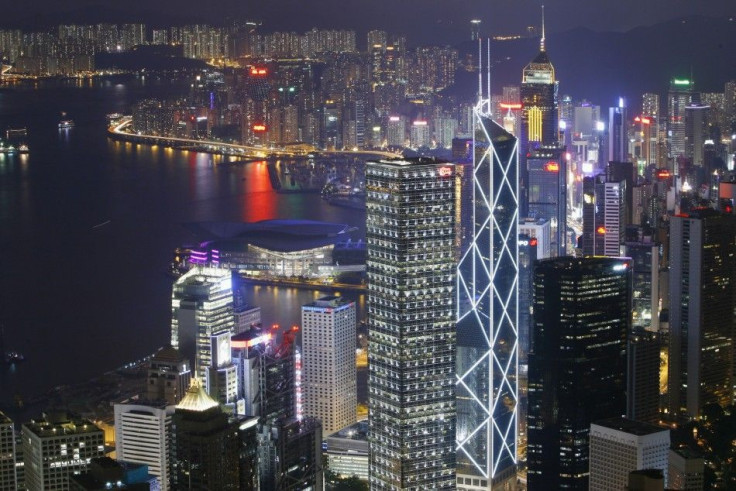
<point x="480" y="69"/>
<point x="541" y="41"/>
<point x="488" y="73"/>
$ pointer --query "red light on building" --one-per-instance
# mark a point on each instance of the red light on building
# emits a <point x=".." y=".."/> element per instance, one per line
<point x="601" y="230"/>
<point x="663" y="174"/>
<point x="552" y="167"/>
<point x="533" y="242"/>
<point x="508" y="105"/>
<point x="444" y="171"/>
<point x="646" y="121"/>
<point x="637" y="119"/>
<point x="259" y="128"/>
<point x="258" y="72"/>
<point x="728" y="209"/>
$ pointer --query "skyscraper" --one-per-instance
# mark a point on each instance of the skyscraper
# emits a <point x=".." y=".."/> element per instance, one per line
<point x="539" y="112"/>
<point x="619" y="446"/>
<point x="7" y="453"/>
<point x="642" y="376"/>
<point x="208" y="445"/>
<point x="577" y="363"/>
<point x="547" y="193"/>
<point x="618" y="138"/>
<point x="328" y="362"/>
<point x="487" y="365"/>
<point x="57" y="447"/>
<point x="169" y="375"/>
<point x="702" y="294"/>
<point x="410" y="231"/>
<point x="143" y="436"/>
<point x="603" y="216"/>
<point x="678" y="98"/>
<point x="201" y="306"/>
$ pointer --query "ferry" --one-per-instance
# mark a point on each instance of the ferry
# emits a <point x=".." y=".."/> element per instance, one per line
<point x="66" y="124"/>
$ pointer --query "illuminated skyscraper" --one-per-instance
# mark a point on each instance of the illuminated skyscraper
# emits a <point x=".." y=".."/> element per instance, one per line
<point x="410" y="230"/>
<point x="7" y="453"/>
<point x="678" y="98"/>
<point x="487" y="365"/>
<point x="547" y="193"/>
<point x="577" y="363"/>
<point x="328" y="362"/>
<point x="539" y="113"/>
<point x="702" y="295"/>
<point x="201" y="306"/>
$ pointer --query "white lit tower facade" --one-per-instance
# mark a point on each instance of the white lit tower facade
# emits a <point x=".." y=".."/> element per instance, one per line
<point x="487" y="359"/>
<point x="410" y="231"/>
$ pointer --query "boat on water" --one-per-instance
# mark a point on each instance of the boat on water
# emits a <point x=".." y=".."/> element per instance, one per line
<point x="13" y="358"/>
<point x="66" y="124"/>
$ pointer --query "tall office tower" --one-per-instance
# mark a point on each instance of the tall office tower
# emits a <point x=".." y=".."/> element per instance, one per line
<point x="56" y="447"/>
<point x="221" y="377"/>
<point x="678" y="98"/>
<point x="298" y="455"/>
<point x="487" y="364"/>
<point x="547" y="193"/>
<point x="410" y="232"/>
<point x="169" y="375"/>
<point x="419" y="135"/>
<point x="618" y="138"/>
<point x="143" y="436"/>
<point x="642" y="376"/>
<point x="577" y="363"/>
<point x="649" y="135"/>
<point x="539" y="111"/>
<point x="729" y="106"/>
<point x="267" y="385"/>
<point x="538" y="229"/>
<point x="475" y="29"/>
<point x="527" y="257"/>
<point x="619" y="446"/>
<point x="702" y="295"/>
<point x="644" y="254"/>
<point x="623" y="171"/>
<point x="266" y="373"/>
<point x="396" y="131"/>
<point x="686" y="470"/>
<point x="201" y="306"/>
<point x="328" y="362"/>
<point x="650" y="105"/>
<point x="210" y="449"/>
<point x="8" y="478"/>
<point x="603" y="216"/>
<point x="696" y="131"/>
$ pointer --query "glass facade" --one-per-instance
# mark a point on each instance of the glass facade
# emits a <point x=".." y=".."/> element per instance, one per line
<point x="487" y="364"/>
<point x="410" y="231"/>
<point x="577" y="363"/>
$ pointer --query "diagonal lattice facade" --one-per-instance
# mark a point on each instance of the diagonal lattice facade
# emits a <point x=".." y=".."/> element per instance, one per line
<point x="487" y="356"/>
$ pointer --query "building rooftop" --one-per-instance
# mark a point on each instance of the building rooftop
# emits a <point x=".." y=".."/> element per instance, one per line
<point x="57" y="424"/>
<point x="329" y="301"/>
<point x="168" y="354"/>
<point x="196" y="399"/>
<point x="274" y="235"/>
<point x="630" y="426"/>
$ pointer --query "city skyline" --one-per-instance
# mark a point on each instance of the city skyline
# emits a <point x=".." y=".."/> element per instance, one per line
<point x="497" y="17"/>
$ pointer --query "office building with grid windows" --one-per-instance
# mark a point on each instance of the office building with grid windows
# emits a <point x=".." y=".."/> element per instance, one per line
<point x="410" y="230"/>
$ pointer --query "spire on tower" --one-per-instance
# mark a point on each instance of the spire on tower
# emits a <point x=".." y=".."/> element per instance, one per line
<point x="541" y="41"/>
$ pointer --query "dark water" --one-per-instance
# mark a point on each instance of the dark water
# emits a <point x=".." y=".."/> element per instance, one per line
<point x="88" y="225"/>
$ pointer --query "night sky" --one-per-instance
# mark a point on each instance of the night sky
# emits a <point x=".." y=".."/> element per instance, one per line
<point x="448" y="19"/>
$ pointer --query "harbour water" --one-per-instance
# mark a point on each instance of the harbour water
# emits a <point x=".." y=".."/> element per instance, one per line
<point x="88" y="226"/>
